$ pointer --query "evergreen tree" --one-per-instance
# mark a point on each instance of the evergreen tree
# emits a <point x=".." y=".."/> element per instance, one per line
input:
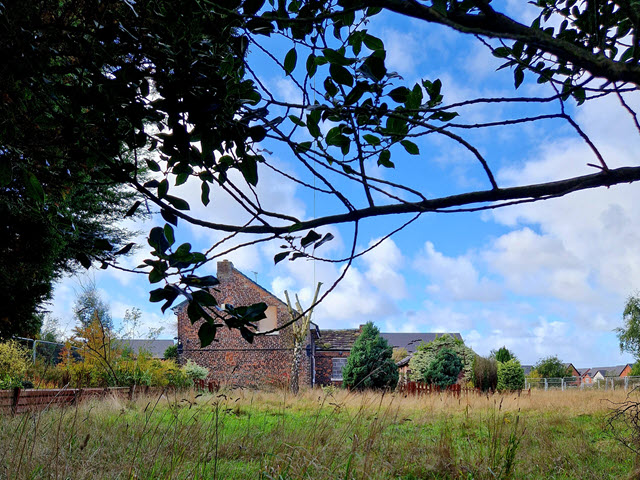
<point x="510" y="375"/>
<point x="370" y="364"/>
<point x="444" y="369"/>
<point x="503" y="354"/>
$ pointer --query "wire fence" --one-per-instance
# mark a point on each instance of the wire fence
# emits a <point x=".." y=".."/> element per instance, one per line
<point x="572" y="383"/>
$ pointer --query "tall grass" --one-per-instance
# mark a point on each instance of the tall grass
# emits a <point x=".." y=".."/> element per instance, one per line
<point x="331" y="434"/>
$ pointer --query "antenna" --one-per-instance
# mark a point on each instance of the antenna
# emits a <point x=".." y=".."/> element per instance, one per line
<point x="255" y="275"/>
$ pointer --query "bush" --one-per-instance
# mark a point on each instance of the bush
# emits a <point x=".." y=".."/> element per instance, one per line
<point x="194" y="371"/>
<point x="426" y="353"/>
<point x="503" y="354"/>
<point x="510" y="375"/>
<point x="485" y="373"/>
<point x="14" y="362"/>
<point x="370" y="363"/>
<point x="171" y="353"/>
<point x="444" y="368"/>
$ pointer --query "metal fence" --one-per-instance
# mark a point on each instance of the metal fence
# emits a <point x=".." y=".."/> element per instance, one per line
<point x="569" y="383"/>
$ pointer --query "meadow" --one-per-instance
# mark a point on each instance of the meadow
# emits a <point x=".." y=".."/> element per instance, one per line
<point x="321" y="434"/>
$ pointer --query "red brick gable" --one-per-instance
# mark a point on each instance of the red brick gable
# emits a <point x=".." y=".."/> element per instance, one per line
<point x="231" y="359"/>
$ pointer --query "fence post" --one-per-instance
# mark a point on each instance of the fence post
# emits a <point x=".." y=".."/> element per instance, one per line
<point x="14" y="400"/>
<point x="626" y="383"/>
<point x="546" y="385"/>
<point x="562" y="384"/>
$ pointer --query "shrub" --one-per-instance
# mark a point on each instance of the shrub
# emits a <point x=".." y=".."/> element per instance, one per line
<point x="510" y="375"/>
<point x="485" y="373"/>
<point x="171" y="353"/>
<point x="194" y="371"/>
<point x="426" y="353"/>
<point x="503" y="354"/>
<point x="370" y="363"/>
<point x="14" y="362"/>
<point x="444" y="369"/>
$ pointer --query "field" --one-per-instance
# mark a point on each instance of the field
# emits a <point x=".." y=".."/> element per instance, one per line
<point x="321" y="434"/>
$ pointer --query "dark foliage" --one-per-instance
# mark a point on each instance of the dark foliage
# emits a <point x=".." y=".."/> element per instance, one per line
<point x="444" y="368"/>
<point x="485" y="373"/>
<point x="370" y="363"/>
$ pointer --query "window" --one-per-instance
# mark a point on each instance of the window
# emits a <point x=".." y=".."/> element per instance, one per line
<point x="270" y="322"/>
<point x="336" y="370"/>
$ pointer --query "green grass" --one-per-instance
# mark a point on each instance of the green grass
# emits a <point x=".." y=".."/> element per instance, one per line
<point x="252" y="435"/>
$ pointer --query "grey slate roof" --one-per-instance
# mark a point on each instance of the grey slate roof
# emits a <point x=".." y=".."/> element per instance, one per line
<point x="411" y="341"/>
<point x="155" y="347"/>
<point x="344" y="339"/>
<point x="614" y="371"/>
<point x="582" y="371"/>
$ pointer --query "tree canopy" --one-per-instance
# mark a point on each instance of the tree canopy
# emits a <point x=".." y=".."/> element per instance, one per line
<point x="171" y="87"/>
<point x="551" y="367"/>
<point x="370" y="363"/>
<point x="629" y="334"/>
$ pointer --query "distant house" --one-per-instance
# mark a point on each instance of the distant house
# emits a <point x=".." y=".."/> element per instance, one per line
<point x="155" y="347"/>
<point x="599" y="373"/>
<point x="571" y="370"/>
<point x="267" y="360"/>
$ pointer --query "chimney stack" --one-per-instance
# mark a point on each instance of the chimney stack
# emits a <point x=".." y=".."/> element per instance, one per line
<point x="225" y="267"/>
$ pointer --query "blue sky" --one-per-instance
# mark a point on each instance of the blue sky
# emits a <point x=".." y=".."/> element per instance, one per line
<point x="547" y="278"/>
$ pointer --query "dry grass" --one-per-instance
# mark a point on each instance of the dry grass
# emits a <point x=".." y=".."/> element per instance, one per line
<point x="320" y="434"/>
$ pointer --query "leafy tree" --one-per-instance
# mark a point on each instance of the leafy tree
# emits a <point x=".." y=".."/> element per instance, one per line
<point x="426" y="353"/>
<point x="503" y="354"/>
<point x="89" y="306"/>
<point x="444" y="369"/>
<point x="629" y="334"/>
<point x="485" y="373"/>
<point x="510" y="375"/>
<point x="111" y="90"/>
<point x="370" y="364"/>
<point x="551" y="367"/>
<point x="399" y="354"/>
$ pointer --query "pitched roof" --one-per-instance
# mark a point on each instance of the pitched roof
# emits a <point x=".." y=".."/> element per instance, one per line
<point x="155" y="347"/>
<point x="582" y="371"/>
<point x="411" y="341"/>
<point x="344" y="339"/>
<point x="614" y="371"/>
<point x="527" y="369"/>
<point x="337" y="339"/>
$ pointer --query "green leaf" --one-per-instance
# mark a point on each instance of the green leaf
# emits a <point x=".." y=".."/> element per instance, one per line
<point x="204" y="298"/>
<point x="400" y="94"/>
<point x="410" y="147"/>
<point x="290" y="61"/>
<point x="247" y="334"/>
<point x="311" y="65"/>
<point x="169" y="217"/>
<point x="169" y="235"/>
<point x="327" y="238"/>
<point x="374" y="66"/>
<point x="158" y="240"/>
<point x="34" y="189"/>
<point x="371" y="139"/>
<point x="249" y="169"/>
<point x="163" y="188"/>
<point x="336" y="58"/>
<point x="341" y="75"/>
<point x="5" y="173"/>
<point x="518" y="76"/>
<point x="383" y="159"/>
<point x="206" y="334"/>
<point x="177" y="202"/>
<point x="310" y="237"/>
<point x="153" y="165"/>
<point x="373" y="43"/>
<point x="502" y="52"/>
<point x="279" y="257"/>
<point x="312" y="126"/>
<point x="84" y="260"/>
<point x="297" y="121"/>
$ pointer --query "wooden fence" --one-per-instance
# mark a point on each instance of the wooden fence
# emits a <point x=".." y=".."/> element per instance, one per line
<point x="419" y="388"/>
<point x="21" y="400"/>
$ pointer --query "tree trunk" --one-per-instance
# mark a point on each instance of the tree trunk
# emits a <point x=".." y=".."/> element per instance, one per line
<point x="295" y="368"/>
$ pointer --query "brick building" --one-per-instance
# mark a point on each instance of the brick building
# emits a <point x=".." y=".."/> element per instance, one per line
<point x="231" y="359"/>
<point x="267" y="361"/>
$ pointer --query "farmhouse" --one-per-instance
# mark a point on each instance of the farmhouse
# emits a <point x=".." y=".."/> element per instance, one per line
<point x="267" y="360"/>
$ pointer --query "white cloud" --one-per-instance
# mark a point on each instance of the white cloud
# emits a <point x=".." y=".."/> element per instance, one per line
<point x="454" y="278"/>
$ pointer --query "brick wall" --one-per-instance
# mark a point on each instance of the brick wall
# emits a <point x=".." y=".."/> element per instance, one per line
<point x="324" y="365"/>
<point x="231" y="359"/>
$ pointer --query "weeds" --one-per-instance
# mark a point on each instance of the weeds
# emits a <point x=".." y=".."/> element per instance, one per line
<point x="316" y="435"/>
